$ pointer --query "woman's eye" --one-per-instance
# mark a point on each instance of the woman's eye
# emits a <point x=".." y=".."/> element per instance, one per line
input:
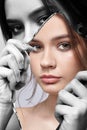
<point x="42" y="19"/>
<point x="64" y="46"/>
<point x="37" y="47"/>
<point x="16" y="29"/>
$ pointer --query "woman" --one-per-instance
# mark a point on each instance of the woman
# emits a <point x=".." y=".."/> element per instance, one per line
<point x="51" y="73"/>
<point x="19" y="20"/>
<point x="58" y="62"/>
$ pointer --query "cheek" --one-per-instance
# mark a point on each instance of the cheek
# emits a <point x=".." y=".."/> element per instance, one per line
<point x="71" y="66"/>
<point x="34" y="63"/>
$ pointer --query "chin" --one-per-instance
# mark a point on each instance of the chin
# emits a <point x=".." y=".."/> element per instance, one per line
<point x="51" y="89"/>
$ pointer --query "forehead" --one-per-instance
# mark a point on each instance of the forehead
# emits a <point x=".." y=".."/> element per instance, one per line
<point x="53" y="28"/>
<point x="21" y="7"/>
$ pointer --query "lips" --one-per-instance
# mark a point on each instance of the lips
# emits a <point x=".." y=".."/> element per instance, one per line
<point x="50" y="79"/>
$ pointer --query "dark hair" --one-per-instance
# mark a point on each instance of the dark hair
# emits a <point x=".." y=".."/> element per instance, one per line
<point x="47" y="3"/>
<point x="3" y="22"/>
<point x="71" y="9"/>
<point x="74" y="12"/>
<point x="80" y="51"/>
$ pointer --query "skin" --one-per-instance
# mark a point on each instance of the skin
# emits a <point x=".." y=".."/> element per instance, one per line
<point x="50" y="48"/>
<point x="25" y="18"/>
<point x="20" y="16"/>
<point x="12" y="60"/>
<point x="54" y="56"/>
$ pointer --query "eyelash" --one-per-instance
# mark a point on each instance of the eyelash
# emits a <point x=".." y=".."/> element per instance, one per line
<point x="42" y="19"/>
<point x="65" y="46"/>
<point x="37" y="46"/>
<point x="15" y="29"/>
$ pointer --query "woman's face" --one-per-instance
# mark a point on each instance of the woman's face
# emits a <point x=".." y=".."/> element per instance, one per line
<point x="24" y="17"/>
<point x="54" y="63"/>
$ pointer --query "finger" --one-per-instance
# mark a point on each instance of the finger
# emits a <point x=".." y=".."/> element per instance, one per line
<point x="77" y="88"/>
<point x="9" y="61"/>
<point x="61" y="110"/>
<point x="8" y="77"/>
<point x="21" y="46"/>
<point x="17" y="54"/>
<point x="26" y="60"/>
<point x="23" y="80"/>
<point x="20" y="53"/>
<point x="5" y="93"/>
<point x="67" y="98"/>
<point x="82" y="75"/>
<point x="17" y="48"/>
<point x="18" y="44"/>
<point x="24" y="77"/>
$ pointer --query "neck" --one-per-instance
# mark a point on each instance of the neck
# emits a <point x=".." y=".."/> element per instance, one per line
<point x="50" y="103"/>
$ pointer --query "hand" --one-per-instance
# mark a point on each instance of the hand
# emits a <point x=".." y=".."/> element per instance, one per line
<point x="14" y="63"/>
<point x="71" y="108"/>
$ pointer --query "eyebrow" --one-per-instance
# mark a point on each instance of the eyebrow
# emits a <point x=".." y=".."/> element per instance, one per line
<point x="32" y="15"/>
<point x="39" y="11"/>
<point x="55" y="38"/>
<point x="61" y="37"/>
<point x="12" y="21"/>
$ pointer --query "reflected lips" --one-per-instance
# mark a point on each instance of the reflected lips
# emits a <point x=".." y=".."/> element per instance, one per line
<point x="49" y="79"/>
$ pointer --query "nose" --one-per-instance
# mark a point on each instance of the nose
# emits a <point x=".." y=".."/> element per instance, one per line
<point x="28" y="35"/>
<point x="48" y="60"/>
<point x="30" y="30"/>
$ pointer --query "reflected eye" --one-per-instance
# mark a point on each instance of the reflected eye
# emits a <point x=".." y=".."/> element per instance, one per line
<point x="64" y="46"/>
<point x="37" y="46"/>
<point x="16" y="29"/>
<point x="42" y="19"/>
